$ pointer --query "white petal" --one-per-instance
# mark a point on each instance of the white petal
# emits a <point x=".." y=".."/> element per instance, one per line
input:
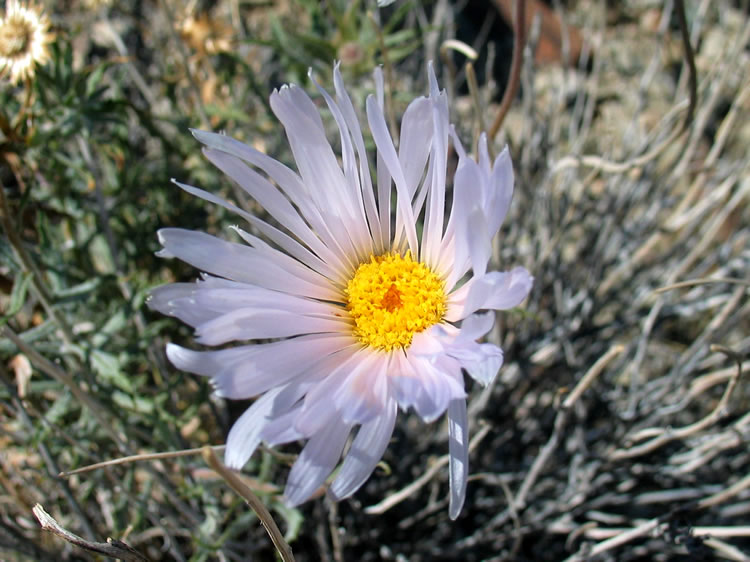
<point x="455" y="253"/>
<point x="317" y="163"/>
<point x="281" y="430"/>
<point x="176" y="300"/>
<point x="237" y="262"/>
<point x="201" y="302"/>
<point x="316" y="462"/>
<point x="501" y="191"/>
<point x="498" y="290"/>
<point x="356" y="390"/>
<point x="278" y="363"/>
<point x="428" y="383"/>
<point x="366" y="450"/>
<point x="289" y="182"/>
<point x="404" y="215"/>
<point x="246" y="371"/>
<point x="347" y="109"/>
<point x="278" y="207"/>
<point x="258" y="323"/>
<point x="479" y="242"/>
<point x="415" y="141"/>
<point x="244" y="437"/>
<point x="358" y="225"/>
<point x="365" y="391"/>
<point x="433" y="226"/>
<point x="437" y="390"/>
<point x="481" y="360"/>
<point x="458" y="449"/>
<point x="476" y="326"/>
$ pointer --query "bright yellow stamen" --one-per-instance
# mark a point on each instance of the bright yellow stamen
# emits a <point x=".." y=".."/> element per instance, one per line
<point x="391" y="298"/>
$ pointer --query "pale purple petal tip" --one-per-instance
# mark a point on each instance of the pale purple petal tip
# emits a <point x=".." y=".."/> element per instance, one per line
<point x="458" y="448"/>
<point x="244" y="437"/>
<point x="316" y="462"/>
<point x="367" y="449"/>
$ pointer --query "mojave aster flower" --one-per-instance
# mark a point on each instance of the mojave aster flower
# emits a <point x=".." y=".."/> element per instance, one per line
<point x="368" y="315"/>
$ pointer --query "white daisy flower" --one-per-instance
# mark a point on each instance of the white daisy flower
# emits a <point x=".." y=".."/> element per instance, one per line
<point x="368" y="314"/>
<point x="24" y="40"/>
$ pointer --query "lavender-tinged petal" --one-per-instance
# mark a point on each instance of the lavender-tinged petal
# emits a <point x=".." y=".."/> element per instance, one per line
<point x="476" y="326"/>
<point x="350" y="116"/>
<point x="434" y="218"/>
<point x="287" y="263"/>
<point x="289" y="182"/>
<point x="279" y="208"/>
<point x="316" y="162"/>
<point x="415" y="142"/>
<point x="479" y="242"/>
<point x="316" y="462"/>
<point x="256" y="323"/>
<point x="499" y="290"/>
<point x="356" y="390"/>
<point x="244" y="437"/>
<point x="176" y="299"/>
<point x="214" y="301"/>
<point x="358" y="226"/>
<point x="281" y="430"/>
<point x="237" y="262"/>
<point x="501" y="191"/>
<point x="208" y="363"/>
<point x="440" y="384"/>
<point x="467" y="196"/>
<point x="480" y="360"/>
<point x="247" y="371"/>
<point x="364" y="393"/>
<point x="384" y="143"/>
<point x="366" y="451"/>
<point x="458" y="450"/>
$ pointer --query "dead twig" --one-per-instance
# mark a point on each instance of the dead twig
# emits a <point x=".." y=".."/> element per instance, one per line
<point x="112" y="548"/>
<point x="519" y="40"/>
<point x="703" y="281"/>
<point x="664" y="436"/>
<point x="401" y="495"/>
<point x="140" y="457"/>
<point x="283" y="548"/>
<point x="560" y="421"/>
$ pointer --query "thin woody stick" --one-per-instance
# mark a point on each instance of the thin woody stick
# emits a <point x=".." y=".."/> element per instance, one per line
<point x="283" y="548"/>
<point x="112" y="548"/>
<point x="140" y="457"/>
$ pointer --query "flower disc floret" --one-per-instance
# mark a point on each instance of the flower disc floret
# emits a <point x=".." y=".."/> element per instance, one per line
<point x="391" y="298"/>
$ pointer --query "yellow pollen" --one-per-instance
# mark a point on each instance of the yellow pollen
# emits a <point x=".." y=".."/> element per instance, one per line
<point x="391" y="298"/>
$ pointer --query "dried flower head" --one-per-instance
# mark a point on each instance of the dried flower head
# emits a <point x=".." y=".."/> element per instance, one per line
<point x="24" y="40"/>
<point x="368" y="313"/>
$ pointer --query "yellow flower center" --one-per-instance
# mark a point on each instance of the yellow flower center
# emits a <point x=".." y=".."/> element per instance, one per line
<point x="391" y="298"/>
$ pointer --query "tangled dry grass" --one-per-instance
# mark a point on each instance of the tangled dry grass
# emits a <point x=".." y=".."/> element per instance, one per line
<point x="618" y="427"/>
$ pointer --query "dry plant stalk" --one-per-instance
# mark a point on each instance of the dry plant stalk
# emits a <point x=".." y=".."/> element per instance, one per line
<point x="112" y="548"/>
<point x="282" y="547"/>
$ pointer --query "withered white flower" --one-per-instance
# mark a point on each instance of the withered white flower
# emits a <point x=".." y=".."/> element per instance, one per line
<point x="24" y="40"/>
<point x="368" y="314"/>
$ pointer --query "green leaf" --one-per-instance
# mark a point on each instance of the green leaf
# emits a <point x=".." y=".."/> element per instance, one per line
<point x="108" y="367"/>
<point x="127" y="402"/>
<point x="17" y="296"/>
